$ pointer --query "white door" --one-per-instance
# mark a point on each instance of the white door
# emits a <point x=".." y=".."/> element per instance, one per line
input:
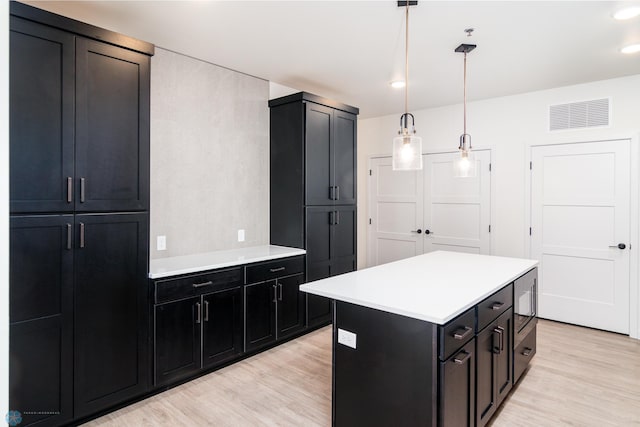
<point x="457" y="211"/>
<point x="580" y="201"/>
<point x="395" y="212"/>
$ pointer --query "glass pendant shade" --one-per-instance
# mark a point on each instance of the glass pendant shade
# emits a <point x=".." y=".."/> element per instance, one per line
<point x="407" y="152"/>
<point x="465" y="166"/>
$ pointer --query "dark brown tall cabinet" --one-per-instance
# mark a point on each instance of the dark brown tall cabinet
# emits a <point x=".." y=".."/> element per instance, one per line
<point x="313" y="187"/>
<point x="79" y="239"/>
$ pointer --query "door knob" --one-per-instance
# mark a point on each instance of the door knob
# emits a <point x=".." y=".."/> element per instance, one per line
<point x="427" y="232"/>
<point x="417" y="231"/>
<point x="619" y="246"/>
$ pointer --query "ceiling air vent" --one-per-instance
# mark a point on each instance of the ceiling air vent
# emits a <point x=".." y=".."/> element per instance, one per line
<point x="579" y="115"/>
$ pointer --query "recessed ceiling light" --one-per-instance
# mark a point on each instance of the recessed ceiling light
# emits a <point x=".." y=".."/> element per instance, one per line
<point x="398" y="84"/>
<point x="632" y="48"/>
<point x="627" y="13"/>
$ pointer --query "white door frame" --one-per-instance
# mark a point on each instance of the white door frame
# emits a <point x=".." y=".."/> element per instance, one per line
<point x="492" y="198"/>
<point x="634" y="238"/>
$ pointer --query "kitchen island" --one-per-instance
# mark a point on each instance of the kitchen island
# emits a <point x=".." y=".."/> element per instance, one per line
<point x="427" y="340"/>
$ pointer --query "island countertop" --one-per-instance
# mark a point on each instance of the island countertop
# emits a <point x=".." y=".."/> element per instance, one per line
<point x="435" y="287"/>
<point x="166" y="267"/>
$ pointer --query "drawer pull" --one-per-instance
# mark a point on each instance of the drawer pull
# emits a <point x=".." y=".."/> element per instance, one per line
<point x="200" y="285"/>
<point x="527" y="352"/>
<point x="465" y="357"/>
<point x="462" y="333"/>
<point x="275" y="270"/>
<point x="497" y="306"/>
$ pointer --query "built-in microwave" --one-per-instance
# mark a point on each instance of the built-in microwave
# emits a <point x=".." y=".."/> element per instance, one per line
<point x="525" y="305"/>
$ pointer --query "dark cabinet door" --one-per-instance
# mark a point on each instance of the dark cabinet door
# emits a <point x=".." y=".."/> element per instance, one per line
<point x="319" y="163"/>
<point x="41" y="319"/>
<point x="343" y="239"/>
<point x="112" y="122"/>
<point x="221" y="326"/>
<point x="345" y="157"/>
<point x="291" y="306"/>
<point x="260" y="314"/>
<point x="111" y="310"/>
<point x="504" y="357"/>
<point x="41" y="123"/>
<point x="457" y="388"/>
<point x="318" y="240"/>
<point x="177" y="339"/>
<point x="494" y="366"/>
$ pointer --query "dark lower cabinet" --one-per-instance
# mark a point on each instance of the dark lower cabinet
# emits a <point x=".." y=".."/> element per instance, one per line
<point x="494" y="366"/>
<point x="290" y="306"/>
<point x="274" y="310"/>
<point x="458" y="388"/>
<point x="221" y="326"/>
<point x="41" y="318"/>
<point x="177" y="340"/>
<point x="111" y="310"/>
<point x="260" y="314"/>
<point x="197" y="333"/>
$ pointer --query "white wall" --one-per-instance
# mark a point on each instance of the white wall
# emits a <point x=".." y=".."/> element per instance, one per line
<point x="4" y="209"/>
<point x="209" y="156"/>
<point x="507" y="125"/>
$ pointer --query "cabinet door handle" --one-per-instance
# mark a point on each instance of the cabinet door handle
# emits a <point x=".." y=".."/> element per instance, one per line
<point x="465" y="357"/>
<point x="69" y="237"/>
<point x="279" y="291"/>
<point x="337" y="218"/>
<point x="82" y="234"/>
<point x="331" y="218"/>
<point x="206" y="311"/>
<point x="69" y="189"/>
<point x="332" y="192"/>
<point x="497" y="306"/>
<point x="200" y="285"/>
<point x="337" y="192"/>
<point x="462" y="333"/>
<point x="527" y="352"/>
<point x="498" y="349"/>
<point x="198" y="314"/>
<point x="275" y="292"/>
<point x="82" y="185"/>
<point x="275" y="270"/>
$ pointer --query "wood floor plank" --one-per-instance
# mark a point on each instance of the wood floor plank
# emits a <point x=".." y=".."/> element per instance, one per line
<point x="579" y="377"/>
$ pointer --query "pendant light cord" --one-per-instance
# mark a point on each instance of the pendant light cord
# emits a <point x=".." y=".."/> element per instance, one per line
<point x="406" y="65"/>
<point x="465" y="94"/>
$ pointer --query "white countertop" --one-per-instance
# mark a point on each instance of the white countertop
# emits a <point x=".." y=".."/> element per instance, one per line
<point x="435" y="287"/>
<point x="165" y="267"/>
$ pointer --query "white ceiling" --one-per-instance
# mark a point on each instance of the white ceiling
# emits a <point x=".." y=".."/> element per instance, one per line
<point x="350" y="50"/>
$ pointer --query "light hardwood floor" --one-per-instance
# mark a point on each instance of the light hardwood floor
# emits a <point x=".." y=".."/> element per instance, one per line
<point x="579" y="377"/>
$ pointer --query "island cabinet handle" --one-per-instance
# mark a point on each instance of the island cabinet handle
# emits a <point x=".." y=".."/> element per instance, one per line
<point x="465" y="357"/>
<point x="497" y="305"/>
<point x="527" y="352"/>
<point x="198" y="318"/>
<point x="498" y="349"/>
<point x="275" y="270"/>
<point x="462" y="333"/>
<point x="275" y="292"/>
<point x="206" y="311"/>
<point x="200" y="285"/>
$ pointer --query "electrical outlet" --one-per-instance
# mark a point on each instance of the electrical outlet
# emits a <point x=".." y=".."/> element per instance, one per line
<point x="161" y="243"/>
<point x="240" y="235"/>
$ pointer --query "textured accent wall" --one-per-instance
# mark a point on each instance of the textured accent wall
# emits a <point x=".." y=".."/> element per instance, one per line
<point x="209" y="156"/>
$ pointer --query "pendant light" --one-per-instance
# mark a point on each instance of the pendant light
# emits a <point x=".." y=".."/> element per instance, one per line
<point x="465" y="166"/>
<point x="407" y="146"/>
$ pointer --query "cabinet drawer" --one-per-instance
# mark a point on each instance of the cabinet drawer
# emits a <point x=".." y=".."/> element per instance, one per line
<point x="492" y="307"/>
<point x="274" y="269"/>
<point x="523" y="355"/>
<point x="197" y="284"/>
<point x="456" y="333"/>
